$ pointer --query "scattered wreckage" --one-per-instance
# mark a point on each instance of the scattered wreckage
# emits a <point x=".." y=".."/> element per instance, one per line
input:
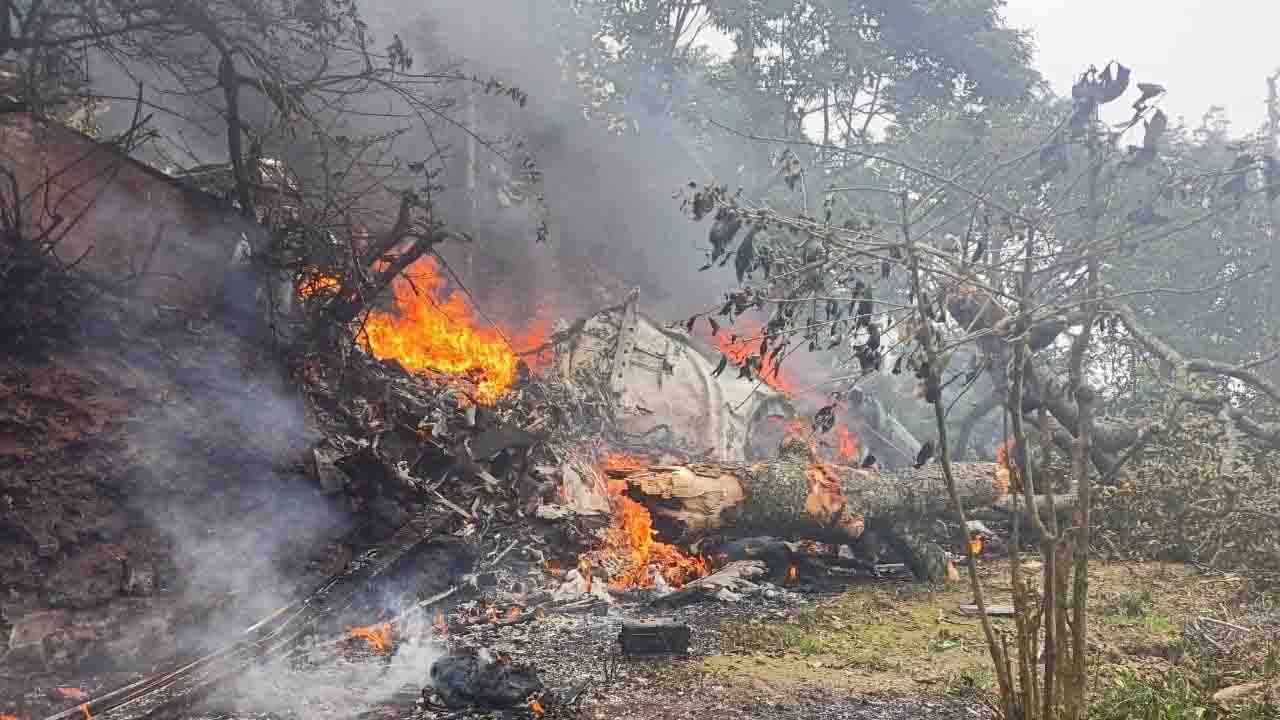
<point x="475" y="489"/>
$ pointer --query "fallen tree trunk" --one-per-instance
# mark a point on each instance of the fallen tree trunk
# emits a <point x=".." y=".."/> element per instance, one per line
<point x="798" y="500"/>
<point x="795" y="497"/>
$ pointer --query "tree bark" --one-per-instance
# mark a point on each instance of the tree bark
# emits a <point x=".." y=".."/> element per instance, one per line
<point x="792" y="497"/>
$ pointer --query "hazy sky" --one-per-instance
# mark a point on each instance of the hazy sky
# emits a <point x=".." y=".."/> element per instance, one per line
<point x="1205" y="53"/>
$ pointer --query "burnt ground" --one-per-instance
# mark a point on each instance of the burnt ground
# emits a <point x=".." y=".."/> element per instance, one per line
<point x="154" y="497"/>
<point x="879" y="650"/>
<point x="150" y="496"/>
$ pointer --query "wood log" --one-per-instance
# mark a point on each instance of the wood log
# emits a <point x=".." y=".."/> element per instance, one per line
<point x="798" y="498"/>
<point x="784" y="498"/>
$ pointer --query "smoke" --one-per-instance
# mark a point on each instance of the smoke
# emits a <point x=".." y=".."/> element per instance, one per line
<point x="322" y="684"/>
<point x="614" y="223"/>
<point x="210" y="481"/>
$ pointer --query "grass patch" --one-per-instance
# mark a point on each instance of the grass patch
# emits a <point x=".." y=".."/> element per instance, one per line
<point x="1130" y="693"/>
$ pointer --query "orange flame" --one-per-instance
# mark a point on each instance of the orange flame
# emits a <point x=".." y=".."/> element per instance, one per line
<point x="84" y="708"/>
<point x="792" y="574"/>
<point x="744" y="341"/>
<point x="440" y="623"/>
<point x="826" y="500"/>
<point x="976" y="542"/>
<point x="1006" y="475"/>
<point x="8" y="717"/>
<point x="512" y="613"/>
<point x="536" y="707"/>
<point x="436" y="331"/>
<point x="847" y="449"/>
<point x="314" y="281"/>
<point x="378" y="636"/>
<point x="629" y="541"/>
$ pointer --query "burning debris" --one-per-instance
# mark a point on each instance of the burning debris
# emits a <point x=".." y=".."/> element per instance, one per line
<point x="483" y="679"/>
<point x="377" y="636"/>
<point x="450" y="447"/>
<point x="434" y="330"/>
<point x="630" y="546"/>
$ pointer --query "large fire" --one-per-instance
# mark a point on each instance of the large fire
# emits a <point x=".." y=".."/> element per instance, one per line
<point x="629" y="543"/>
<point x="435" y="330"/>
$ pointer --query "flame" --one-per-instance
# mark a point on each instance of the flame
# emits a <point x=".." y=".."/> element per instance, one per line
<point x="440" y="623"/>
<point x="8" y="717"/>
<point x="314" y="281"/>
<point x="1006" y="477"/>
<point x="536" y="707"/>
<point x="378" y="636"/>
<point x="629" y="541"/>
<point x="826" y="500"/>
<point x="553" y="568"/>
<point x="436" y="331"/>
<point x="84" y="708"/>
<point x="512" y="613"/>
<point x="976" y="541"/>
<point x="743" y="341"/>
<point x="792" y="574"/>
<point x="491" y="612"/>
<point x="847" y="447"/>
<point x="72" y="693"/>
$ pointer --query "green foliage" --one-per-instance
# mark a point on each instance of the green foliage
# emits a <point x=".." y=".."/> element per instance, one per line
<point x="1127" y="693"/>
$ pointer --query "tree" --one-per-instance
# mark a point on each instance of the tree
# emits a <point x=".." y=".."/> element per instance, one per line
<point x="1013" y="246"/>
<point x="310" y="110"/>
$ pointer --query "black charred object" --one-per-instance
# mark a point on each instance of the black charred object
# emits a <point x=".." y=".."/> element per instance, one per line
<point x="659" y="636"/>
<point x="483" y="678"/>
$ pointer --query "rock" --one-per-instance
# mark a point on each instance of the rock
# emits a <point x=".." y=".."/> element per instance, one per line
<point x="1261" y="691"/>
